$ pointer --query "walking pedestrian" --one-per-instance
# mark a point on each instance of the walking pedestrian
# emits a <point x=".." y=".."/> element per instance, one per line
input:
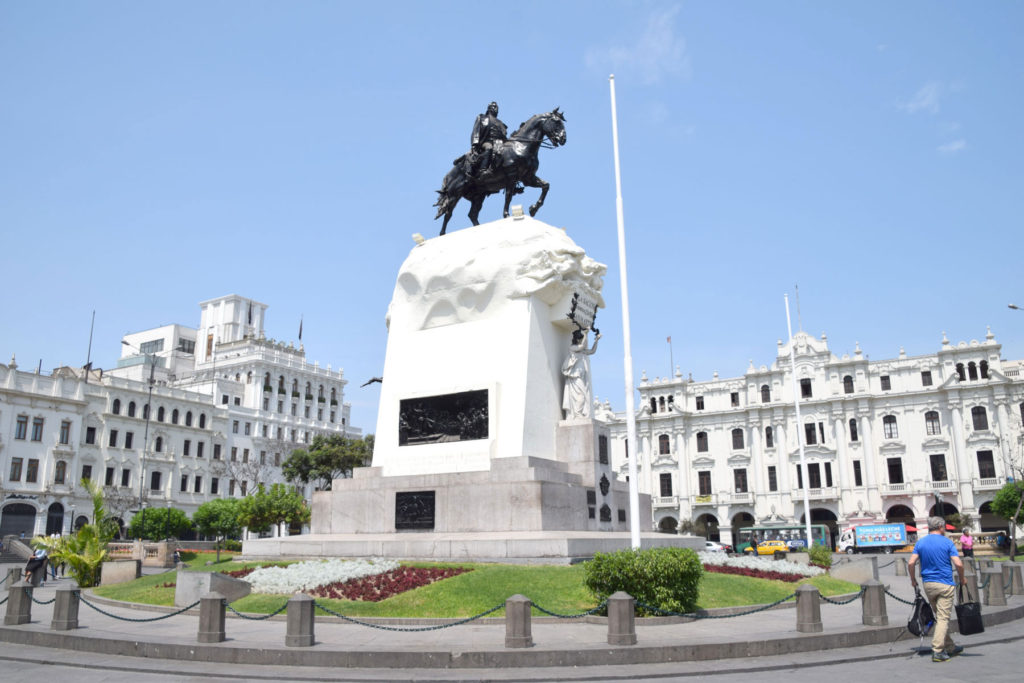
<point x="937" y="556"/>
<point x="967" y="543"/>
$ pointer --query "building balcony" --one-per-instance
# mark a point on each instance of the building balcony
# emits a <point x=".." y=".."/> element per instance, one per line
<point x="988" y="483"/>
<point x="741" y="497"/>
<point x="895" y="489"/>
<point x="941" y="485"/>
<point x="665" y="501"/>
<point x="820" y="493"/>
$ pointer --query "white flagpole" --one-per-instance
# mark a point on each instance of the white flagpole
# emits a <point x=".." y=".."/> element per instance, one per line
<point x="631" y="443"/>
<point x="799" y="426"/>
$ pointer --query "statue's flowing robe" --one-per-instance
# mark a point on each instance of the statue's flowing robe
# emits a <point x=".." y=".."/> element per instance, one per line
<point x="576" y="396"/>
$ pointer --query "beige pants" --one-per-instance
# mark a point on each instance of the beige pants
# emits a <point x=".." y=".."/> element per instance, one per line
<point x="940" y="596"/>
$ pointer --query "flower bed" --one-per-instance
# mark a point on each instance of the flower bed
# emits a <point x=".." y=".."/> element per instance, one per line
<point x="383" y="586"/>
<point x="757" y="567"/>
<point x="303" y="577"/>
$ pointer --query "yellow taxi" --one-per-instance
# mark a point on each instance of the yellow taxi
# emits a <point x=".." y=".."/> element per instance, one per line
<point x="768" y="547"/>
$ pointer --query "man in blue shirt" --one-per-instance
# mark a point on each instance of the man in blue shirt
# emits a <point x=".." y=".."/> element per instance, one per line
<point x="938" y="556"/>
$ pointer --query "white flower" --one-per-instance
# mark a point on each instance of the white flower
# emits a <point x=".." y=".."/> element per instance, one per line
<point x="305" y="576"/>
<point x="759" y="563"/>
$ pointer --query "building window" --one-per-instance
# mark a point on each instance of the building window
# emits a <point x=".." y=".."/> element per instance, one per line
<point x="320" y="414"/>
<point x="234" y="454"/>
<point x="307" y="411"/>
<point x="280" y="406"/>
<point x="799" y="477"/>
<point x="960" y="372"/>
<point x="21" y="428"/>
<point x="332" y="416"/>
<point x="129" y="437"/>
<point x="734" y="399"/>
<point x="828" y="473"/>
<point x="115" y="408"/>
<point x="853" y="429"/>
<point x="978" y="415"/>
<point x="199" y="449"/>
<point x="248" y="428"/>
<point x="766" y="394"/>
<point x="889" y="429"/>
<point x="266" y="403"/>
<point x="814" y="475"/>
<point x="263" y="457"/>
<point x="938" y="461"/>
<point x="224" y="399"/>
<point x="90" y="435"/>
<point x="986" y="465"/>
<point x="821" y="431"/>
<point x="243" y="485"/>
<point x="198" y="485"/>
<point x="737" y="439"/>
<point x="15" y="469"/>
<point x="159" y="447"/>
<point x="202" y="421"/>
<point x="810" y="434"/>
<point x="65" y="432"/>
<point x="238" y="400"/>
<point x="769" y="438"/>
<point x="231" y="487"/>
<point x="32" y="471"/>
<point x="739" y="479"/>
<point x="984" y="369"/>
<point x="126" y="477"/>
<point x="295" y="409"/>
<point x="149" y="347"/>
<point x="37" y="429"/>
<point x="972" y="370"/>
<point x="773" y="480"/>
<point x="245" y="455"/>
<point x="663" y="445"/>
<point x="805" y="388"/>
<point x="654" y="405"/>
<point x="895" y="470"/>
<point x="848" y="384"/>
<point x="145" y="412"/>
<point x="87" y="472"/>
<point x="184" y="483"/>
<point x="186" y="448"/>
<point x="277" y="458"/>
<point x="704" y="482"/>
<point x="131" y="409"/>
<point x="702" y="442"/>
<point x="174" y="416"/>
<point x="931" y="423"/>
<point x="214" y="483"/>
<point x="886" y="384"/>
<point x="160" y="414"/>
<point x="293" y="436"/>
<point x="154" y="481"/>
<point x="234" y="427"/>
<point x="188" y="419"/>
<point x="112" y="441"/>
<point x="700" y="403"/>
<point x="109" y="480"/>
<point x="665" y="479"/>
<point x="926" y="378"/>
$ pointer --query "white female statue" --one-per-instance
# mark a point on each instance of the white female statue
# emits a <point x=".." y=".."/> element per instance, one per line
<point x="577" y="399"/>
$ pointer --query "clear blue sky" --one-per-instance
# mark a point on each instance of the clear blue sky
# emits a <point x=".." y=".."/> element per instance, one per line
<point x="157" y="154"/>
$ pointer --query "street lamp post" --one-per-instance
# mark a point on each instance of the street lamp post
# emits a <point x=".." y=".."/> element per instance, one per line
<point x="145" y="436"/>
<point x="167" y="521"/>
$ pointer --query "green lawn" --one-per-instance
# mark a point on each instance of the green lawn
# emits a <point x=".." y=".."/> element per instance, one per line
<point x="556" y="588"/>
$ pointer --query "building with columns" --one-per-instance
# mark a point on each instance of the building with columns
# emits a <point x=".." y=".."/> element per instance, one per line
<point x="894" y="439"/>
<point x="188" y="415"/>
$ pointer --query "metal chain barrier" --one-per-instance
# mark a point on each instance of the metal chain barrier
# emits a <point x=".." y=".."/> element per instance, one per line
<point x="41" y="602"/>
<point x="4" y="579"/>
<point x="696" y="615"/>
<point x="4" y="600"/>
<point x="889" y="564"/>
<point x="898" y="598"/>
<point x="259" y="618"/>
<point x="162" y="616"/>
<point x="382" y="627"/>
<point x="858" y="596"/>
<point x="570" y="616"/>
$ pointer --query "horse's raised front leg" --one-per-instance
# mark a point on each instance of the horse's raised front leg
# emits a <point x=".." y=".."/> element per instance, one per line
<point x="534" y="181"/>
<point x="474" y="209"/>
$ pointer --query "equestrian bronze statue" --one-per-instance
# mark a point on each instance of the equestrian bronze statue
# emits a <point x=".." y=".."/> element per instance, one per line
<point x="496" y="163"/>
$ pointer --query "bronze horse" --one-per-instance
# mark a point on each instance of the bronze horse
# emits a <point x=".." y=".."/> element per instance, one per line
<point x="514" y="166"/>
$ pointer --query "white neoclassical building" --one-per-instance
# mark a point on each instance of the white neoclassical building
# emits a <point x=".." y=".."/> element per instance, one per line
<point x="889" y="439"/>
<point x="188" y="415"/>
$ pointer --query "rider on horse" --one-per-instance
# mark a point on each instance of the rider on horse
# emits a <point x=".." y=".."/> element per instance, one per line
<point x="489" y="132"/>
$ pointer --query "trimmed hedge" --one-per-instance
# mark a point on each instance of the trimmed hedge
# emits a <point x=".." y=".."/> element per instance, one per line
<point x="666" y="578"/>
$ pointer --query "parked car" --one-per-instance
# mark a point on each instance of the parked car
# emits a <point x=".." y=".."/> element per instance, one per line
<point x="768" y="547"/>
<point x="712" y="547"/>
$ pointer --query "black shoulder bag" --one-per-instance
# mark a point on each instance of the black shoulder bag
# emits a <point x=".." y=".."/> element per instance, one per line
<point x="968" y="613"/>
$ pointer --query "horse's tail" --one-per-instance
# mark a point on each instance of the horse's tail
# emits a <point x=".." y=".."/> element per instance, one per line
<point x="442" y="203"/>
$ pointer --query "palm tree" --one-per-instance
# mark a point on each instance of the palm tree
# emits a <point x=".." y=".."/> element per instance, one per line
<point x="85" y="550"/>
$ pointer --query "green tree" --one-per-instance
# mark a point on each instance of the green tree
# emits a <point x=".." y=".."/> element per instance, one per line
<point x="266" y="507"/>
<point x="85" y="550"/>
<point x="160" y="523"/>
<point x="328" y="458"/>
<point x="1008" y="504"/>
<point x="218" y="518"/>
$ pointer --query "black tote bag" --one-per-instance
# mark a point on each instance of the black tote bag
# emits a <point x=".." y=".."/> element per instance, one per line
<point x="968" y="614"/>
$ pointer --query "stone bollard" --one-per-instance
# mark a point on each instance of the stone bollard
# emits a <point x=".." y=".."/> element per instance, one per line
<point x="994" y="595"/>
<point x="301" y="617"/>
<point x="1007" y="570"/>
<point x="19" y="604"/>
<point x="808" y="609"/>
<point x="1016" y="585"/>
<point x="901" y="566"/>
<point x="517" y="622"/>
<point x="211" y="618"/>
<point x="65" y="608"/>
<point x="873" y="604"/>
<point x="621" y="619"/>
<point x="971" y="578"/>
<point x="13" y="576"/>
